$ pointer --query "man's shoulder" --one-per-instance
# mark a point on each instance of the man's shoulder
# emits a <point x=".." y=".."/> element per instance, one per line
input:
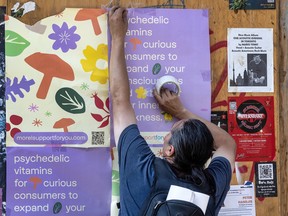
<point x="130" y="130"/>
<point x="220" y="165"/>
<point x="219" y="159"/>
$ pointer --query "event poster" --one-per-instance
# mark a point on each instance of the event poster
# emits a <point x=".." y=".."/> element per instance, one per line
<point x="251" y="124"/>
<point x="240" y="200"/>
<point x="250" y="60"/>
<point x="163" y="42"/>
<point x="57" y="80"/>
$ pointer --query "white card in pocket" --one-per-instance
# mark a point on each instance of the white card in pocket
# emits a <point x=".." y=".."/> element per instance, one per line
<point x="185" y="194"/>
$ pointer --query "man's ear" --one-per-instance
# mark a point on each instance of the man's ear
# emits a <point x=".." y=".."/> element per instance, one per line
<point x="170" y="150"/>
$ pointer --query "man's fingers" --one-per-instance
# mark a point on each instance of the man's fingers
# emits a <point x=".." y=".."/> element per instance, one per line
<point x="119" y="11"/>
<point x="125" y="13"/>
<point x="156" y="95"/>
<point x="166" y="93"/>
<point x="112" y="10"/>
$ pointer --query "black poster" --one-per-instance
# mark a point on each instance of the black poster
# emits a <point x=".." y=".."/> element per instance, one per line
<point x="220" y="119"/>
<point x="251" y="4"/>
<point x="266" y="179"/>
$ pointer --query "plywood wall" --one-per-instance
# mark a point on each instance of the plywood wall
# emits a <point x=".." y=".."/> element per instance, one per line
<point x="221" y="18"/>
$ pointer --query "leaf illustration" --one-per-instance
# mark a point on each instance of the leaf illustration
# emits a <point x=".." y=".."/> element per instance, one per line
<point x="104" y="123"/>
<point x="57" y="207"/>
<point x="15" y="44"/>
<point x="156" y="69"/>
<point x="15" y="87"/>
<point x="69" y="100"/>
<point x="107" y="103"/>
<point x="97" y="117"/>
<point x="98" y="102"/>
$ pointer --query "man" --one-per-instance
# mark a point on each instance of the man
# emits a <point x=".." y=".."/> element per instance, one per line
<point x="135" y="157"/>
<point x="258" y="70"/>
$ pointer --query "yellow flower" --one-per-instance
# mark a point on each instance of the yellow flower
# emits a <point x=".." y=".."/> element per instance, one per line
<point x="96" y="62"/>
<point x="141" y="92"/>
<point x="168" y="117"/>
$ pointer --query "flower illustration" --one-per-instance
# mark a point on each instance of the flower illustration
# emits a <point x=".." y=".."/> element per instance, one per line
<point x="33" y="108"/>
<point x="96" y="62"/>
<point x="84" y="86"/>
<point x="168" y="117"/>
<point x="48" y="114"/>
<point x="65" y="37"/>
<point x="37" y="122"/>
<point x="141" y="92"/>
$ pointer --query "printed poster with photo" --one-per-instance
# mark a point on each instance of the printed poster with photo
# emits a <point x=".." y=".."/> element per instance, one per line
<point x="251" y="124"/>
<point x="250" y="60"/>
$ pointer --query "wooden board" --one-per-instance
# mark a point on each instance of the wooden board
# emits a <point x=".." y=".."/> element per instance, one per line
<point x="221" y="18"/>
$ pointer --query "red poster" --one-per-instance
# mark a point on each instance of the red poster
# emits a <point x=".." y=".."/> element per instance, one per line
<point x="251" y="123"/>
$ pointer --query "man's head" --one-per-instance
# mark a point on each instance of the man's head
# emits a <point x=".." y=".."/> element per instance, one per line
<point x="189" y="144"/>
<point x="257" y="59"/>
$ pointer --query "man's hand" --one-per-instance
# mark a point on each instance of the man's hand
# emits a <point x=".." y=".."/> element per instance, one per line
<point x="118" y="23"/>
<point x="170" y="102"/>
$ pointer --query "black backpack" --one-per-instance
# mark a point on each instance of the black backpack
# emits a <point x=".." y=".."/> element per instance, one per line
<point x="156" y="204"/>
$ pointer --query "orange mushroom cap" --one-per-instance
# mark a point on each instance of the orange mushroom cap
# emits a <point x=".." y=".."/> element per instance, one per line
<point x="64" y="123"/>
<point x="51" y="66"/>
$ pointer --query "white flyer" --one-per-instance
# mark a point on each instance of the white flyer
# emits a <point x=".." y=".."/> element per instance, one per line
<point x="250" y="60"/>
<point x="240" y="201"/>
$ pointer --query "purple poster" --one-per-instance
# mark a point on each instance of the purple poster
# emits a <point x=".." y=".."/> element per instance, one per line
<point x="163" y="42"/>
<point x="60" y="181"/>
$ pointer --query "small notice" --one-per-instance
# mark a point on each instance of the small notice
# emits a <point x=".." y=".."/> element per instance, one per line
<point x="240" y="200"/>
<point x="266" y="179"/>
<point x="255" y="4"/>
<point x="250" y="60"/>
<point x="220" y="119"/>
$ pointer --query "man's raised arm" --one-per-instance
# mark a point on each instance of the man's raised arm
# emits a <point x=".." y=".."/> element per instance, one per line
<point x="123" y="113"/>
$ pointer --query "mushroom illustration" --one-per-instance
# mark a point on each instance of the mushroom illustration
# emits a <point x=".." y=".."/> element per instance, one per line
<point x="64" y="123"/>
<point x="35" y="180"/>
<point x="135" y="42"/>
<point x="91" y="14"/>
<point x="51" y="66"/>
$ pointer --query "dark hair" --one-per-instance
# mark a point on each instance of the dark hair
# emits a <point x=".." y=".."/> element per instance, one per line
<point x="193" y="144"/>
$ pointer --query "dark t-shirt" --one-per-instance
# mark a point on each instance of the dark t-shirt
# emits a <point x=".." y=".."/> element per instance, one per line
<point x="137" y="172"/>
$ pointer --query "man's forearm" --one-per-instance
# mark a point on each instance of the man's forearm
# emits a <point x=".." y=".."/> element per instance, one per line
<point x="119" y="83"/>
<point x="123" y="113"/>
<point x="220" y="136"/>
